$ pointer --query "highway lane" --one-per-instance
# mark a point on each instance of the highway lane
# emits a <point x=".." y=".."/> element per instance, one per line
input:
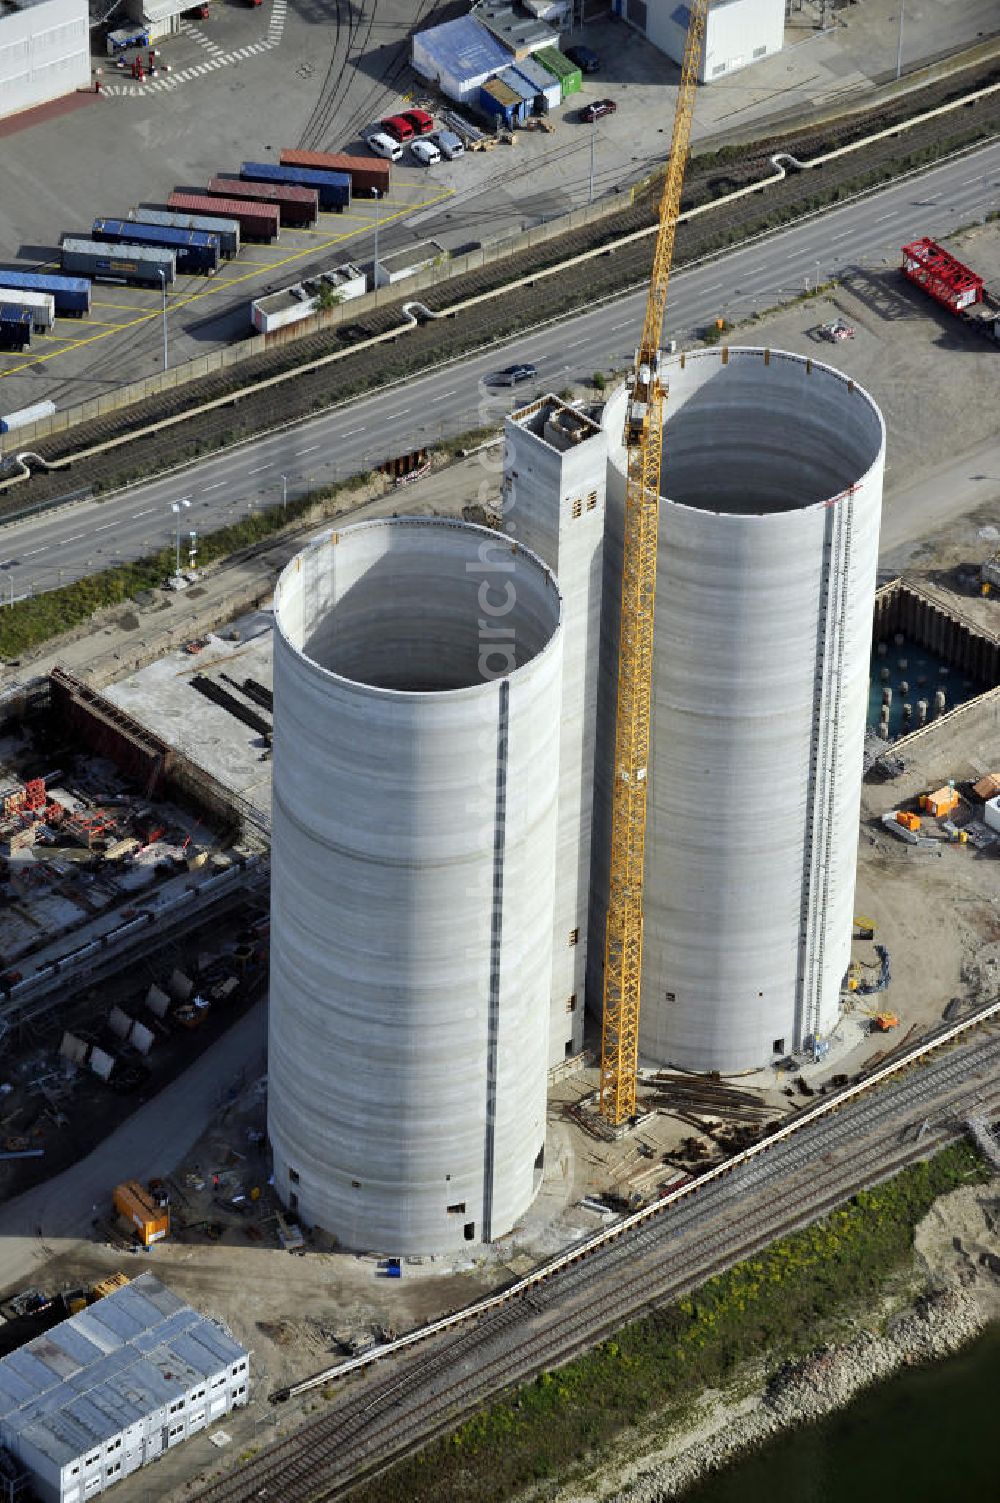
<point x="57" y="547"/>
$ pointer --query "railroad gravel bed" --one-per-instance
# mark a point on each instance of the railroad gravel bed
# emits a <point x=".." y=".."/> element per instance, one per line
<point x="937" y="1326"/>
<point x="366" y="370"/>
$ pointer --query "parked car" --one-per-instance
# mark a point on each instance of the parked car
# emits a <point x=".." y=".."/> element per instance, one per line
<point x="599" y="107"/>
<point x="448" y="144"/>
<point x="384" y="146"/>
<point x="426" y="152"/>
<point x="422" y="123"/>
<point x="513" y="375"/>
<point x="586" y="60"/>
<point x="398" y="127"/>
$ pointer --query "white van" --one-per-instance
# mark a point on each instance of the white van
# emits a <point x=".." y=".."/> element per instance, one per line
<point x="449" y="144"/>
<point x="384" y="146"/>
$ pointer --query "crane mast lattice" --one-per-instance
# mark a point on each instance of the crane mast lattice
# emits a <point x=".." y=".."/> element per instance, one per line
<point x="643" y="445"/>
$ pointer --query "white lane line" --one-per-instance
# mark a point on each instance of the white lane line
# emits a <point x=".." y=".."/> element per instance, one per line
<point x="575" y="345"/>
<point x="615" y="328"/>
<point x="43" y="549"/>
<point x="217" y="486"/>
<point x="143" y="513"/>
<point x="105" y="526"/>
<point x="713" y="288"/>
<point x="883" y="217"/>
<point x="350" y="431"/>
<point x="74" y="539"/>
<point x="261" y="467"/>
<point x="300" y="452"/>
<point x="391" y="416"/>
<point x="452" y="393"/>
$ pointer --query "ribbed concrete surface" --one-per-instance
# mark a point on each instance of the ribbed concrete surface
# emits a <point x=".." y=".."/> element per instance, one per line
<point x="768" y="551"/>
<point x="417" y="680"/>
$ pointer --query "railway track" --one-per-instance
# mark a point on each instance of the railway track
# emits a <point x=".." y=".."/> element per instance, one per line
<point x="850" y="1142"/>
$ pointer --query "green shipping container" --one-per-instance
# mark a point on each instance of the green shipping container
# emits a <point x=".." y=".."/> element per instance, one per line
<point x="568" y="74"/>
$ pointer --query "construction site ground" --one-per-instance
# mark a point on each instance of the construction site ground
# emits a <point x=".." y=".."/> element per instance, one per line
<point x="936" y="913"/>
<point x="495" y="318"/>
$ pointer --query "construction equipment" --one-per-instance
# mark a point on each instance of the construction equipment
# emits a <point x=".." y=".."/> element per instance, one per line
<point x="643" y="444"/>
<point x="884" y="1022"/>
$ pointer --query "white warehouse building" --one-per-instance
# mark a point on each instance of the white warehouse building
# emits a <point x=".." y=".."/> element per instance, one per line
<point x="111" y="1389"/>
<point x="737" y="32"/>
<point x="44" y="52"/>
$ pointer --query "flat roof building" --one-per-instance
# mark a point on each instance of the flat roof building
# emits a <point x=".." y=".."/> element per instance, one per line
<point x="44" y="52"/>
<point x="737" y="32"/>
<point x="111" y="1389"/>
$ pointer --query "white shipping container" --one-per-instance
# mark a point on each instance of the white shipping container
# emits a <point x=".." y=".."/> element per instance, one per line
<point x="42" y="305"/>
<point x="25" y="415"/>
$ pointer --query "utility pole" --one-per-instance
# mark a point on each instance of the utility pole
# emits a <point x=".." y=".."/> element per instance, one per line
<point x="284" y="494"/>
<point x="375" y="267"/>
<point x="177" y="507"/>
<point x="899" y="44"/>
<point x="163" y="288"/>
<point x="593" y="140"/>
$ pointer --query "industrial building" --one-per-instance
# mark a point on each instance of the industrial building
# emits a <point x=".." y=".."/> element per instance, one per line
<point x="44" y="52"/>
<point x="417" y="695"/>
<point x="737" y="32"/>
<point x="553" y="502"/>
<point x="772" y="487"/>
<point x="115" y="1386"/>
<point x="459" y="56"/>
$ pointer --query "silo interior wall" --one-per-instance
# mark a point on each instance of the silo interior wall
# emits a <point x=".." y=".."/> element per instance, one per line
<point x="766" y="576"/>
<point x="412" y="884"/>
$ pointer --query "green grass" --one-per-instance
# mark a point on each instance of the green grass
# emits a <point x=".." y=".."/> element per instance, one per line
<point x="29" y="623"/>
<point x="776" y="1303"/>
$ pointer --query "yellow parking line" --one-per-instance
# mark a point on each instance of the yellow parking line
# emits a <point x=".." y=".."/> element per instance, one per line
<point x="193" y="297"/>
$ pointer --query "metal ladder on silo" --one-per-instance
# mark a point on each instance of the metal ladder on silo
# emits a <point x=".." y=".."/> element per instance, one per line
<point x="836" y="602"/>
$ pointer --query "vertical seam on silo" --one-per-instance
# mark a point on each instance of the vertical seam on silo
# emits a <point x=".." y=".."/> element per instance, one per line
<point x="496" y="945"/>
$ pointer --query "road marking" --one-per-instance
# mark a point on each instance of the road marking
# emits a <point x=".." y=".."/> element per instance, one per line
<point x="350" y="431"/>
<point x="442" y="394"/>
<point x="261" y="467"/>
<point x="105" y="525"/>
<point x="43" y="549"/>
<point x="74" y="539"/>
<point x="575" y="344"/>
<point x="143" y="513"/>
<point x="391" y="416"/>
<point x="217" y="486"/>
<point x="299" y="452"/>
<point x="616" y="327"/>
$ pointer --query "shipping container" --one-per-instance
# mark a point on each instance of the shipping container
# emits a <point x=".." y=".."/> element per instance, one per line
<point x="15" y="327"/>
<point x="257" y="221"/>
<point x="366" y="175"/>
<point x="42" y="305"/>
<point x="196" y="251"/>
<point x="297" y="206"/>
<point x="333" y="188"/>
<point x="559" y="65"/>
<point x="72" y="294"/>
<point x="146" y="265"/>
<point x="227" y="230"/>
<point x="25" y="415"/>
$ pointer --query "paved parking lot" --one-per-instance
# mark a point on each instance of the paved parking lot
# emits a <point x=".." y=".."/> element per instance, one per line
<point x="250" y="80"/>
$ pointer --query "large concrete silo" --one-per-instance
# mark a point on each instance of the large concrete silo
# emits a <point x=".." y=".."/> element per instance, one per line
<point x="772" y="483"/>
<point x="417" y="681"/>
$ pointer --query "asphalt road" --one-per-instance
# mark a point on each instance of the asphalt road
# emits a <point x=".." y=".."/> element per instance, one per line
<point x="60" y="546"/>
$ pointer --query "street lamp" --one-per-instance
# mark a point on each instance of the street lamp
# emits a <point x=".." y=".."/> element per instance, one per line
<point x="163" y="288"/>
<point x="375" y="195"/>
<point x="284" y="494"/>
<point x="899" y="44"/>
<point x="177" y="507"/>
<point x="593" y="139"/>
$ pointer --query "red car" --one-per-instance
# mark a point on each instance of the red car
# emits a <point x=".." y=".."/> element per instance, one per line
<point x="597" y="109"/>
<point x="422" y="123"/>
<point x="398" y="127"/>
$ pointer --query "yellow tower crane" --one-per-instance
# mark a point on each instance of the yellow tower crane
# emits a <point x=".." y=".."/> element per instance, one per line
<point x="644" y="445"/>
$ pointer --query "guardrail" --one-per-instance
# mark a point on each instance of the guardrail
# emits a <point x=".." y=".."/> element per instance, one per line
<point x="600" y="1239"/>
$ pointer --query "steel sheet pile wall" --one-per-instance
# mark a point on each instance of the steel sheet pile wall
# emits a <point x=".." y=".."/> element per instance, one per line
<point x="414" y="816"/>
<point x="765" y="589"/>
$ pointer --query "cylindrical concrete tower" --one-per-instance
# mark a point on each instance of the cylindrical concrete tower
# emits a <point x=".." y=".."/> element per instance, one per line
<point x="417" y="682"/>
<point x="767" y="560"/>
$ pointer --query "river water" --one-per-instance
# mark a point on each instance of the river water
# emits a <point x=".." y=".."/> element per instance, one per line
<point x="928" y="1436"/>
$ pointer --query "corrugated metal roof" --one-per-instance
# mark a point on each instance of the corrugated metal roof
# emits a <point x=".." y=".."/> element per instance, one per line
<point x="535" y="74"/>
<point x="134" y="1351"/>
<point x="518" y="84"/>
<point x="460" y="49"/>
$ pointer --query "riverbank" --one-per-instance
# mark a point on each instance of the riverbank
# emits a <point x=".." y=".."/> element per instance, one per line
<point x="949" y="1299"/>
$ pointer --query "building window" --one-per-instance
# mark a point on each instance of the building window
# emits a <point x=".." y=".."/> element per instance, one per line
<point x="778" y="1046"/>
<point x="93" y="1460"/>
<point x="293" y="1176"/>
<point x="458" y="1209"/>
<point x="470" y="1231"/>
<point x="218" y="1382"/>
<point x="571" y="1003"/>
<point x="592" y="501"/>
<point x="671" y="996"/>
<point x="115" y="1466"/>
<point x="174" y="1408"/>
<point x="355" y="1184"/>
<point x="577" y="508"/>
<point x="574" y="936"/>
<point x="568" y="1049"/>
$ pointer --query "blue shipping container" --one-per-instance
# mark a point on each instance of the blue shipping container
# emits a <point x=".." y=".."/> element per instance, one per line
<point x="196" y="251"/>
<point x="72" y="294"/>
<point x="228" y="230"/>
<point x="334" y="188"/>
<point x="15" y="327"/>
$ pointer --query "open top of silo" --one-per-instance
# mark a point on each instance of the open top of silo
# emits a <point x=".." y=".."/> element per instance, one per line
<point x="752" y="431"/>
<point x="417" y="605"/>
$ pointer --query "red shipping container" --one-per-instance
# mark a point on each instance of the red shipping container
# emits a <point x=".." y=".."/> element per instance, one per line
<point x="257" y="221"/>
<point x="298" y="206"/>
<point x="366" y="173"/>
